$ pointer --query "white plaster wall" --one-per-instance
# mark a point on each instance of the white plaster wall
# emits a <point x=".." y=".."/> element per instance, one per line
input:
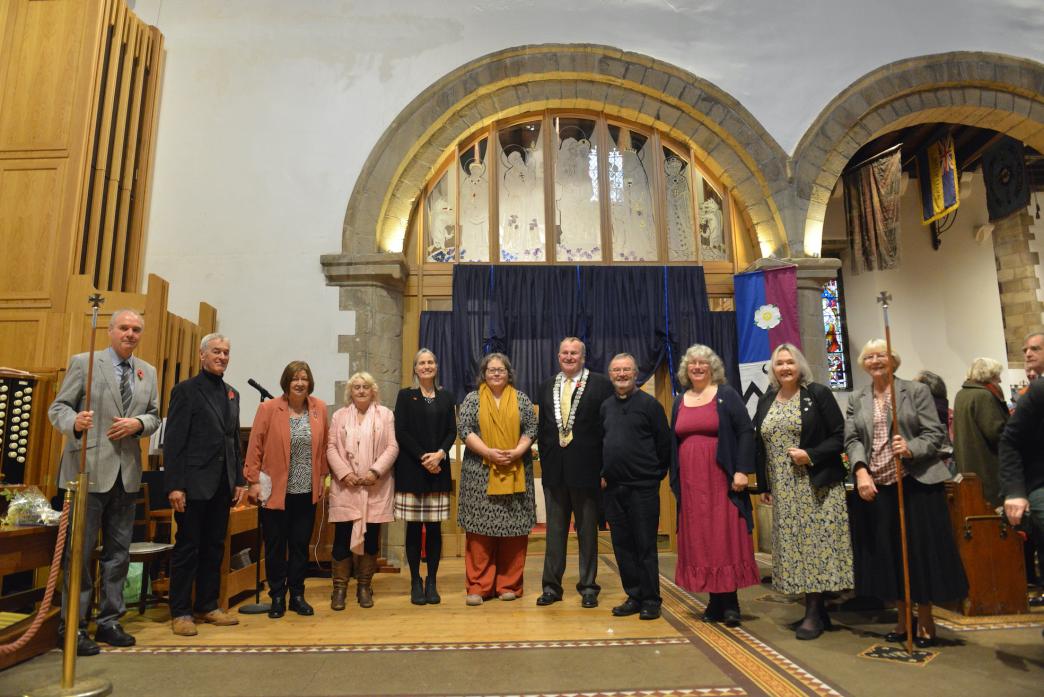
<point x="945" y="308"/>
<point x="269" y="109"/>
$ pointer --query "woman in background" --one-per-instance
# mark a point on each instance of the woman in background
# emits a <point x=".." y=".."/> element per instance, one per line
<point x="979" y="415"/>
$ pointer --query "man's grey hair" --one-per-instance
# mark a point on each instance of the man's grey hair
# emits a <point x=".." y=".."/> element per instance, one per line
<point x="125" y="311"/>
<point x="621" y="356"/>
<point x="1037" y="332"/>
<point x="213" y="336"/>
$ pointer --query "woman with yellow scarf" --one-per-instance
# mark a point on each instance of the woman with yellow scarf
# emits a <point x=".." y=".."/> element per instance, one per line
<point x="496" y="506"/>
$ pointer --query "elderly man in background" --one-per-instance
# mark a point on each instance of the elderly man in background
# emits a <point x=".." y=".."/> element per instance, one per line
<point x="124" y="408"/>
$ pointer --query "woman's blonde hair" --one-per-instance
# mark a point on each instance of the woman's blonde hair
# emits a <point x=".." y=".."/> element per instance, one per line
<point x="878" y="346"/>
<point x="699" y="352"/>
<point x="985" y="370"/>
<point x="366" y="379"/>
<point x="804" y="370"/>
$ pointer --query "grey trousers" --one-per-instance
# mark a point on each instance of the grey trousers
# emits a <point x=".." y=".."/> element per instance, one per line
<point x="563" y="502"/>
<point x="112" y="512"/>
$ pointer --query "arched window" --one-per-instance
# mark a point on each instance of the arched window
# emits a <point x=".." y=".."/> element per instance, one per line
<point x="573" y="187"/>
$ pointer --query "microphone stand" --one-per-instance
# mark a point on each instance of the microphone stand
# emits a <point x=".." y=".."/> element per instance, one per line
<point x="257" y="607"/>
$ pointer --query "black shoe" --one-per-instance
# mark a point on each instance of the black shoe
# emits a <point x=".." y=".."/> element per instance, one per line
<point x="894" y="637"/>
<point x="808" y="633"/>
<point x="629" y="607"/>
<point x="417" y="596"/>
<point x="278" y="607"/>
<point x="85" y="646"/>
<point x="431" y="593"/>
<point x="588" y="600"/>
<point x="924" y="642"/>
<point x="548" y="598"/>
<point x="731" y="617"/>
<point x="299" y="605"/>
<point x="113" y="635"/>
<point x="713" y="612"/>
<point x="649" y="612"/>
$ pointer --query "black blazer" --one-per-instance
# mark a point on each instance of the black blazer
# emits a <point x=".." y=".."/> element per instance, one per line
<point x="822" y="435"/>
<point x="579" y="465"/>
<point x="418" y="430"/>
<point x="200" y="446"/>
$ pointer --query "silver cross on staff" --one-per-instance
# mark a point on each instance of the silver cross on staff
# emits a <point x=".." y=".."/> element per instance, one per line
<point x="884" y="298"/>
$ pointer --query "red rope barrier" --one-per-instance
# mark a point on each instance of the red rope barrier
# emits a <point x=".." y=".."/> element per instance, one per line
<point x="52" y="579"/>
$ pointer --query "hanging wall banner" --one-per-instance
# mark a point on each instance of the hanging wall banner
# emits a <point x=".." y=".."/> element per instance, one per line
<point x="937" y="177"/>
<point x="766" y="316"/>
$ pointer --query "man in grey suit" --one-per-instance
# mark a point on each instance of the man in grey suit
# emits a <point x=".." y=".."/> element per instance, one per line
<point x="124" y="408"/>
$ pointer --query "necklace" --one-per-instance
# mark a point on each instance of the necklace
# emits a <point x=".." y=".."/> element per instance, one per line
<point x="565" y="429"/>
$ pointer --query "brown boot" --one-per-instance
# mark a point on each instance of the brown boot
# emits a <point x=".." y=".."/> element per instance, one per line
<point x="340" y="571"/>
<point x="364" y="591"/>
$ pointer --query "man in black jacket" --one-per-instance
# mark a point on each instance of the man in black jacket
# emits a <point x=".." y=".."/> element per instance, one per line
<point x="1021" y="450"/>
<point x="204" y="475"/>
<point x="570" y="439"/>
<point x="636" y="454"/>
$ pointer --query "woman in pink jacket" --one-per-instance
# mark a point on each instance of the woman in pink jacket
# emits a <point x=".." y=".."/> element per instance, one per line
<point x="361" y="452"/>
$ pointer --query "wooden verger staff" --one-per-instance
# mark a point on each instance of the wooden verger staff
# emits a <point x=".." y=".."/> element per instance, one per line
<point x="69" y="686"/>
<point x="884" y="298"/>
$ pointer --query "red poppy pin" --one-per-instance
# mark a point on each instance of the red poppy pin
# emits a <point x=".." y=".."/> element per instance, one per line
<point x="231" y="395"/>
<point x="141" y="374"/>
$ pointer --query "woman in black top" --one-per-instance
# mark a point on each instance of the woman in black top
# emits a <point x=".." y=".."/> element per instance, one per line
<point x="425" y="428"/>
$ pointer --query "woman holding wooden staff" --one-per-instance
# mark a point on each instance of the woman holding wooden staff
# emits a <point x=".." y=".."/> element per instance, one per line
<point x="935" y="570"/>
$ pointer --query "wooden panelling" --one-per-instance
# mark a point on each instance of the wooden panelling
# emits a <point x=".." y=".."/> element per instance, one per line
<point x="30" y="230"/>
<point x="38" y="106"/>
<point x="18" y="339"/>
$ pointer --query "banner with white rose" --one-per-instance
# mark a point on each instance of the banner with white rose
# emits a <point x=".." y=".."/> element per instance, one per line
<point x="766" y="316"/>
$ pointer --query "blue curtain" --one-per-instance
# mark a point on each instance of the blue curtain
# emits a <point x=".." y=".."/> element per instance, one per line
<point x="723" y="341"/>
<point x="652" y="312"/>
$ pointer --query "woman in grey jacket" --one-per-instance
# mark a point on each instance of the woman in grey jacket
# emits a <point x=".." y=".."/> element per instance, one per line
<point x="936" y="573"/>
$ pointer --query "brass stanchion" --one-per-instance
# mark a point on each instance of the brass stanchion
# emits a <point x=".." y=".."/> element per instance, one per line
<point x="88" y="687"/>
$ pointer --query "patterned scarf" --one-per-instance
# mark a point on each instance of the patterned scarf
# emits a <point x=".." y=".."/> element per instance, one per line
<point x="360" y="441"/>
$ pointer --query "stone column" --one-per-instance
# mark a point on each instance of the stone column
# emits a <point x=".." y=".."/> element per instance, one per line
<point x="371" y="286"/>
<point x="812" y="273"/>
<point x="1017" y="279"/>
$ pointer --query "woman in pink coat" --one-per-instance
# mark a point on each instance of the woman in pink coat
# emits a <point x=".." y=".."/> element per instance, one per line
<point x="361" y="453"/>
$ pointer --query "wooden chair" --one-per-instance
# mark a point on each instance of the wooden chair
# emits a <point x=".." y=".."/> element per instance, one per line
<point x="153" y="555"/>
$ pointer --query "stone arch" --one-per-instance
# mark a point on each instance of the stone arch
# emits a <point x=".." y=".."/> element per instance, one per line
<point x="729" y="140"/>
<point x="988" y="90"/>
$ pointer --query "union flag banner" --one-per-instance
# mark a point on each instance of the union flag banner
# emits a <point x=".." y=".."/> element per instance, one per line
<point x="937" y="175"/>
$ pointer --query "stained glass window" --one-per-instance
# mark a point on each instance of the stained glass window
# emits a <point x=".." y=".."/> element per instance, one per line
<point x="835" y="334"/>
<point x="521" y="171"/>
<point x="571" y="187"/>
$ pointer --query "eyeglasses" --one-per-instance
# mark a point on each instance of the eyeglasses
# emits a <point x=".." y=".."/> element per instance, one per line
<point x="621" y="371"/>
<point x="496" y="371"/>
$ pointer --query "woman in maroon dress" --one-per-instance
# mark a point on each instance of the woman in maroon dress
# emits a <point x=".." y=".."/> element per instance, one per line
<point x="713" y="452"/>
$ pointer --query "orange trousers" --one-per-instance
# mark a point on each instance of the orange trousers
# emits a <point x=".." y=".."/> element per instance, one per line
<point x="494" y="565"/>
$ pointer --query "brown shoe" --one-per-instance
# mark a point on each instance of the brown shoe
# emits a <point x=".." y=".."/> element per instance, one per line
<point x="184" y="626"/>
<point x="364" y="573"/>
<point x="341" y="571"/>
<point x="218" y="617"/>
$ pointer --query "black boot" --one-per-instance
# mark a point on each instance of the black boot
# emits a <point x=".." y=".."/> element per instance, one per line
<point x="812" y="626"/>
<point x="715" y="612"/>
<point x="299" y="605"/>
<point x="278" y="607"/>
<point x="731" y="609"/>
<point x="431" y="593"/>
<point x="417" y="591"/>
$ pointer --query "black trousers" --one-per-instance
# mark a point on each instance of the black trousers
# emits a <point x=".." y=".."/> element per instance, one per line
<point x="563" y="502"/>
<point x="287" y="534"/>
<point x="634" y="516"/>
<point x="343" y="537"/>
<point x="198" y="550"/>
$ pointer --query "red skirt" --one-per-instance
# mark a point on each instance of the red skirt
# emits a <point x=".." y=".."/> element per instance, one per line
<point x="715" y="551"/>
